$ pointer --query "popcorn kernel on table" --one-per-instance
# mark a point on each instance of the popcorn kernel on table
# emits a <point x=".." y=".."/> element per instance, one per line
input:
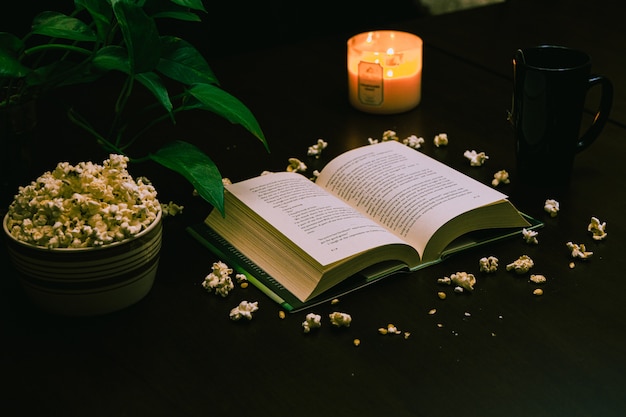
<point x="441" y="295"/>
<point x="538" y="291"/>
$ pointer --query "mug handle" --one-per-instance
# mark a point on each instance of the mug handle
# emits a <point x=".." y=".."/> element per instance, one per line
<point x="602" y="115"/>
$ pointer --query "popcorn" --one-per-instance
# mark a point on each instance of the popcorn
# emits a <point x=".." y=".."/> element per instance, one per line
<point x="530" y="236"/>
<point x="311" y="321"/>
<point x="521" y="265"/>
<point x="226" y="181"/>
<point x="390" y="329"/>
<point x="476" y="159"/>
<point x="413" y="142"/>
<point x="221" y="284"/>
<point x="219" y="279"/>
<point x="488" y="264"/>
<point x="171" y="209"/>
<point x="389" y="135"/>
<point x="463" y="280"/>
<point x="316" y="150"/>
<point x="597" y="229"/>
<point x="295" y="165"/>
<point x="538" y="279"/>
<point x="340" y="319"/>
<point x="441" y="140"/>
<point x="578" y="250"/>
<point x="84" y="205"/>
<point x="500" y="177"/>
<point x="244" y="310"/>
<point x="551" y="207"/>
<point x="372" y="141"/>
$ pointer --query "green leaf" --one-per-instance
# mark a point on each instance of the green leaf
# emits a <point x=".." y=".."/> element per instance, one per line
<point x="11" y="43"/>
<point x="220" y="102"/>
<point x="152" y="82"/>
<point x="182" y="62"/>
<point x="114" y="58"/>
<point x="140" y="35"/>
<point x="101" y="13"/>
<point x="58" y="25"/>
<point x="192" y="4"/>
<point x="196" y="167"/>
<point x="10" y="67"/>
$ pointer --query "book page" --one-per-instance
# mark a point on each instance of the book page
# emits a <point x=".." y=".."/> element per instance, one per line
<point x="404" y="190"/>
<point x="321" y="224"/>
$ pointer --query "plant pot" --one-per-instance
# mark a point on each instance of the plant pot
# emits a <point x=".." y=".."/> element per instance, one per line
<point x="88" y="281"/>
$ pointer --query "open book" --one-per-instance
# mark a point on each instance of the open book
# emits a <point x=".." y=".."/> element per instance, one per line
<point x="372" y="211"/>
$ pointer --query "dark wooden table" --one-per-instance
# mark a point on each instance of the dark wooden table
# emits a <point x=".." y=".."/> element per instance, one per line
<point x="500" y="351"/>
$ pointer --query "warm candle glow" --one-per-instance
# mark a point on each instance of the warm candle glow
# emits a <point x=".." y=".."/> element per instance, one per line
<point x="385" y="71"/>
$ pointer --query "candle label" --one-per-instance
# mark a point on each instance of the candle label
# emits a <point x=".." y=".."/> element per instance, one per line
<point x="370" y="83"/>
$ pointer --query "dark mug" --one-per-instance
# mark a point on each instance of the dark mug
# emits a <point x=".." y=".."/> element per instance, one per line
<point x="550" y="85"/>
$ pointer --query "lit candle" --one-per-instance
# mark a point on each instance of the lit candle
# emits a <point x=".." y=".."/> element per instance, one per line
<point x="385" y="71"/>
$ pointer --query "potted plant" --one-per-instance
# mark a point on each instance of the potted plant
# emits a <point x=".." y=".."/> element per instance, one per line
<point x="101" y="37"/>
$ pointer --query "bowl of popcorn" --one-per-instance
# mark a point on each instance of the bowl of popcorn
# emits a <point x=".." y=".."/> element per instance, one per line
<point x="85" y="239"/>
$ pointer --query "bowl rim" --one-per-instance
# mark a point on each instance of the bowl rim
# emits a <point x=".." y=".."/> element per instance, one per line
<point x="31" y="246"/>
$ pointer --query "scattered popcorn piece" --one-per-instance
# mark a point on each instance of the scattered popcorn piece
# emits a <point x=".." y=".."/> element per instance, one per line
<point x="406" y="335"/>
<point x="538" y="291"/>
<point x="441" y="140"/>
<point x="597" y="229"/>
<point x="467" y="314"/>
<point x="530" y="236"/>
<point x="220" y="268"/>
<point x="572" y="265"/>
<point x="432" y="311"/>
<point x="281" y="314"/>
<point x="444" y="280"/>
<point x="226" y="181"/>
<point x="316" y="150"/>
<point x="311" y="321"/>
<point x="476" y="159"/>
<point x="221" y="284"/>
<point x="458" y="289"/>
<point x="240" y="278"/>
<point x="296" y="165"/>
<point x="334" y="301"/>
<point x="464" y="280"/>
<point x="488" y="264"/>
<point x="390" y="329"/>
<point x="551" y="207"/>
<point x="521" y="265"/>
<point x="316" y="174"/>
<point x="578" y="250"/>
<point x="372" y="141"/>
<point x="340" y="319"/>
<point x="171" y="209"/>
<point x="500" y="177"/>
<point x="244" y="310"/>
<point x="538" y="279"/>
<point x="389" y="135"/>
<point x="413" y="142"/>
<point x="441" y="295"/>
<point x="356" y="342"/>
<point x="243" y="285"/>
<point x="266" y="173"/>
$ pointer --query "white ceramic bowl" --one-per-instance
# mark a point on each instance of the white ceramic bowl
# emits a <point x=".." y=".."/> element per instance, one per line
<point x="88" y="281"/>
